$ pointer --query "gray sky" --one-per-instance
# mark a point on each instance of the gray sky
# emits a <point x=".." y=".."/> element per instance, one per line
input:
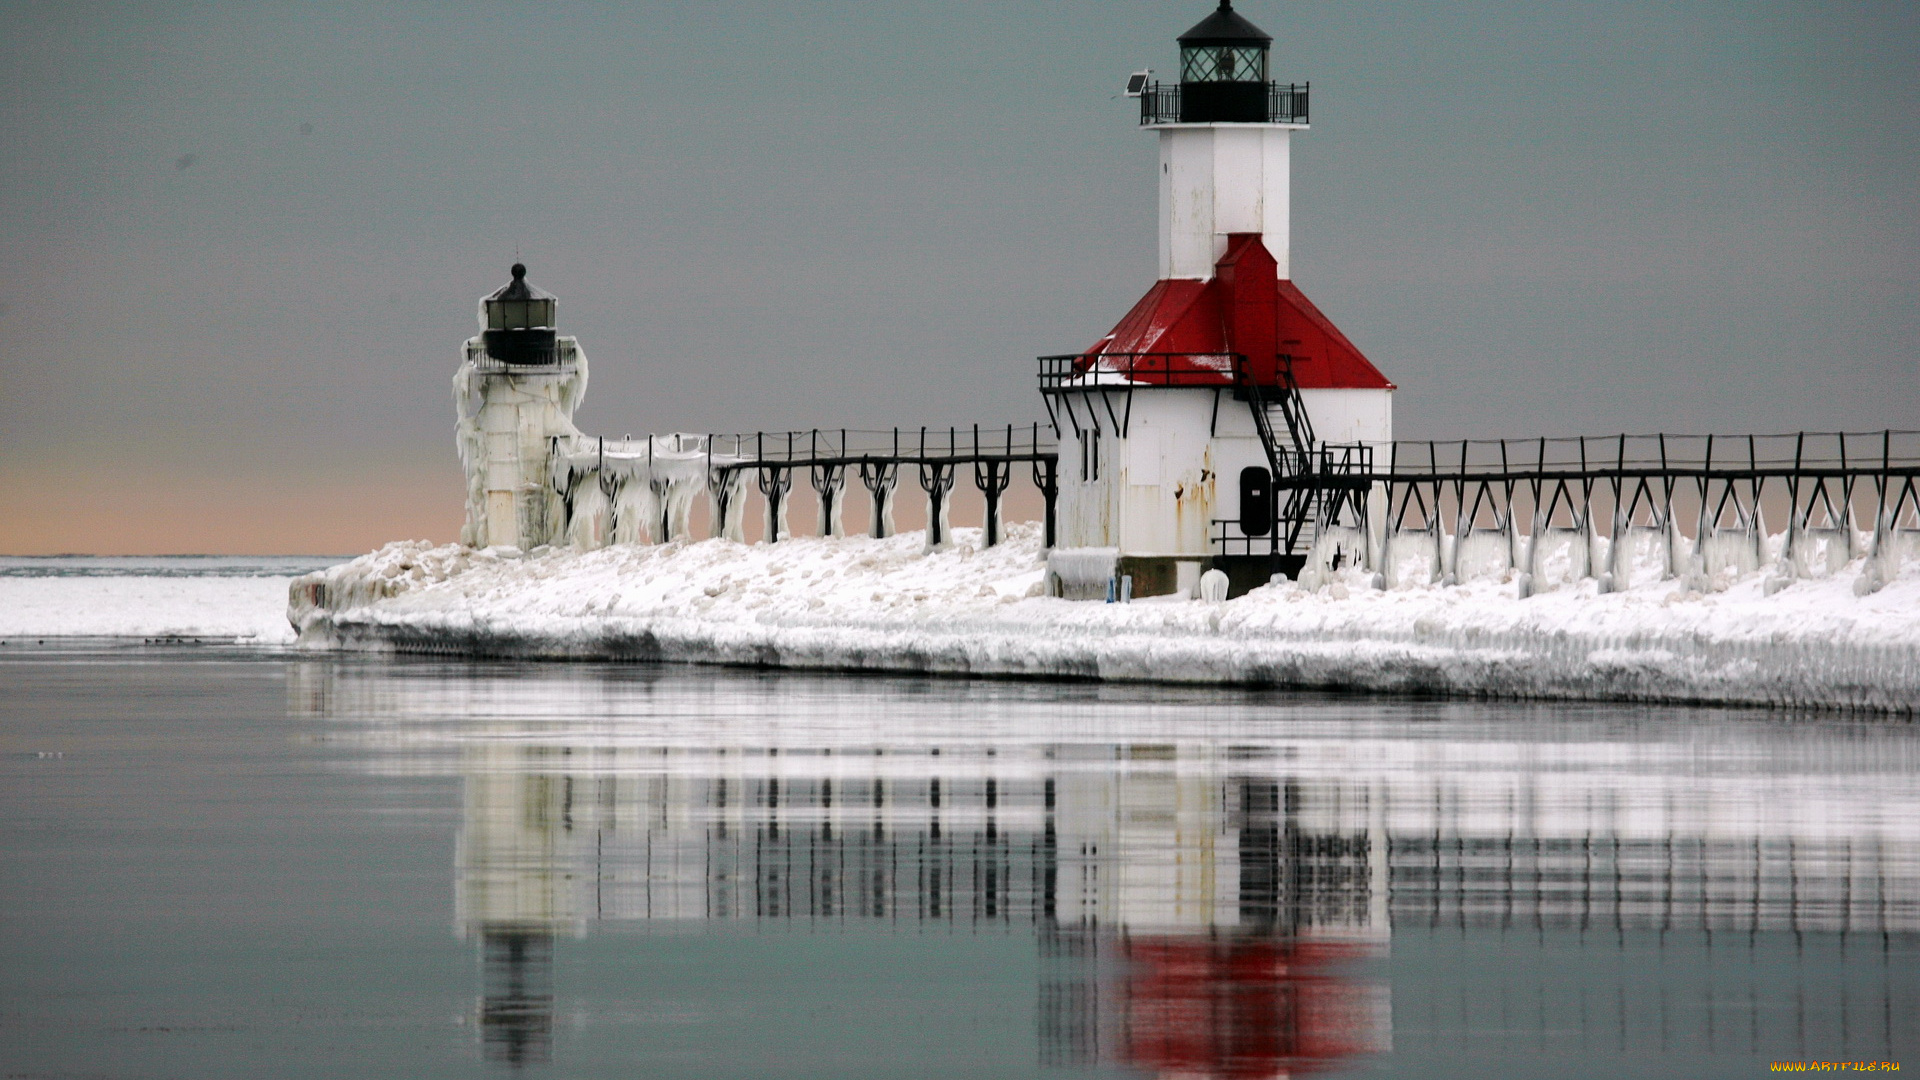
<point x="243" y="242"/>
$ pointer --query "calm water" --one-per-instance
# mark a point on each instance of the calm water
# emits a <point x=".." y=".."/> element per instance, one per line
<point x="220" y="864"/>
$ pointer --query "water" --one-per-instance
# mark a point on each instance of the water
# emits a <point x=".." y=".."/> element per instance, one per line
<point x="165" y="566"/>
<point x="222" y="863"/>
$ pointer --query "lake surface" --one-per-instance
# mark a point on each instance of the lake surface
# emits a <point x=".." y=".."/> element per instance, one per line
<point x="220" y="863"/>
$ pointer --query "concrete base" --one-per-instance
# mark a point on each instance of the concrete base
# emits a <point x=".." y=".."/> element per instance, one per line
<point x="1163" y="575"/>
<point x="1153" y="575"/>
<point x="1246" y="573"/>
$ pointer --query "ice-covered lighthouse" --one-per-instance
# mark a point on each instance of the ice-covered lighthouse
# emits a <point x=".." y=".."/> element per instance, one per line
<point x="1193" y="431"/>
<point x="514" y="394"/>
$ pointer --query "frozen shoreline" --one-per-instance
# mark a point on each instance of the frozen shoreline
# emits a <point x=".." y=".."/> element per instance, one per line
<point x="237" y="610"/>
<point x="857" y="604"/>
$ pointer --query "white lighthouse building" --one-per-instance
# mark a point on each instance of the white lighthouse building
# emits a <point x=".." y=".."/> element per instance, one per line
<point x="1204" y="429"/>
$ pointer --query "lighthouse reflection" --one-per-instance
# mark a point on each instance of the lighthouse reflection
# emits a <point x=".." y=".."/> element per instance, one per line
<point x="1188" y="921"/>
<point x="1199" y="883"/>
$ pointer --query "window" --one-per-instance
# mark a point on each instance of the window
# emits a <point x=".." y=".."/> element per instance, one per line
<point x="1223" y="63"/>
<point x="519" y="314"/>
<point x="1089" y="455"/>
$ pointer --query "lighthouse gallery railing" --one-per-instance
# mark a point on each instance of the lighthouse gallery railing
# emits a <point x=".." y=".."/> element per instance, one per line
<point x="1286" y="103"/>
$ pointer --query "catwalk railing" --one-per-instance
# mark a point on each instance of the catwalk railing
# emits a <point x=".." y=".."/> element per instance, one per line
<point x="1676" y="505"/>
<point x="877" y="457"/>
<point x="1611" y="508"/>
<point x="722" y="464"/>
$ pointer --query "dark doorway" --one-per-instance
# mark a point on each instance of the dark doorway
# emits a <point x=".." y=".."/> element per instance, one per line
<point x="1256" y="501"/>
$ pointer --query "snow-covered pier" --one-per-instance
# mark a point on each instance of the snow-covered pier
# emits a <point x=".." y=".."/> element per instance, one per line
<point x="1757" y="570"/>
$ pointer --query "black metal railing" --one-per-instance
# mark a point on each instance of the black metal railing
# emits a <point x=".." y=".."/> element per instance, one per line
<point x="527" y="356"/>
<point x="1340" y="464"/>
<point x="824" y="447"/>
<point x="826" y="457"/>
<point x="1079" y="371"/>
<point x="1326" y="485"/>
<point x="1799" y="453"/>
<point x="1229" y="540"/>
<point x="1286" y="103"/>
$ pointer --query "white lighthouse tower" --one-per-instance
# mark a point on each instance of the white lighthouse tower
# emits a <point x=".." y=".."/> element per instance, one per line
<point x="1212" y="425"/>
<point x="518" y="384"/>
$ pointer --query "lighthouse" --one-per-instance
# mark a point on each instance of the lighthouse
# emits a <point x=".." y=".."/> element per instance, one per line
<point x="1224" y="421"/>
<point x="514" y="394"/>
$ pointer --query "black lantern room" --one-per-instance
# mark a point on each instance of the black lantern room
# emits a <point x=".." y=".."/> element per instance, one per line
<point x="1223" y="70"/>
<point x="517" y="322"/>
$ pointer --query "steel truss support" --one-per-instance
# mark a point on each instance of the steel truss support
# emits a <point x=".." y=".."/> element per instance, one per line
<point x="1046" y="477"/>
<point x="726" y="491"/>
<point x="774" y="482"/>
<point x="991" y="476"/>
<point x="830" y="483"/>
<point x="1896" y="530"/>
<point x="1728" y="533"/>
<point x="936" y="479"/>
<point x="879" y="477"/>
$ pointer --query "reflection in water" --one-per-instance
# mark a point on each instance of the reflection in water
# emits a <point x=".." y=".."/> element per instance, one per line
<point x="516" y="1010"/>
<point x="1189" y="921"/>
<point x="1201" y="873"/>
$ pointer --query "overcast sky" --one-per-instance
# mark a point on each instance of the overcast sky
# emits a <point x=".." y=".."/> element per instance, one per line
<point x="242" y="243"/>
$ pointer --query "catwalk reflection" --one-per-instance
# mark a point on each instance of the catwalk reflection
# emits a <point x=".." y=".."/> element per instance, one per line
<point x="1211" y="885"/>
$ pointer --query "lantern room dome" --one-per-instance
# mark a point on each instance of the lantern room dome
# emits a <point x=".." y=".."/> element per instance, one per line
<point x="1225" y="27"/>
<point x="517" y="305"/>
<point x="517" y="322"/>
<point x="1223" y="71"/>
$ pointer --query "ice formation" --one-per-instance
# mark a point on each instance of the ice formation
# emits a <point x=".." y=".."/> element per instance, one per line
<point x="243" y="610"/>
<point x="857" y="603"/>
<point x="504" y="417"/>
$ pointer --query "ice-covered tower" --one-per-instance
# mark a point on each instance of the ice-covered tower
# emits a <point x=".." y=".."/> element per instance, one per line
<point x="1187" y="430"/>
<point x="515" y="393"/>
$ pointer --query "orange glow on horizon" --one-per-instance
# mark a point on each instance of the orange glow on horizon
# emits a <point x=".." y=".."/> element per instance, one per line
<point x="246" y="516"/>
<point x="338" y="515"/>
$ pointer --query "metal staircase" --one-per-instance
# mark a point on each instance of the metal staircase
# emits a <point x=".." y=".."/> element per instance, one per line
<point x="1297" y="515"/>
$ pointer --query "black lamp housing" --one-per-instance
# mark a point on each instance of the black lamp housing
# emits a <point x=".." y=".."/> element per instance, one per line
<point x="1223" y="70"/>
<point x="517" y="323"/>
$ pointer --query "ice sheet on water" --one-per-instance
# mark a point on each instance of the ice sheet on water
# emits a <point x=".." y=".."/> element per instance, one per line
<point x="237" y="598"/>
<point x="274" y="566"/>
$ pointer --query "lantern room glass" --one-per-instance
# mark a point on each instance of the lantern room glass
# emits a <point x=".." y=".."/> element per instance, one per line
<point x="519" y="314"/>
<point x="1223" y="63"/>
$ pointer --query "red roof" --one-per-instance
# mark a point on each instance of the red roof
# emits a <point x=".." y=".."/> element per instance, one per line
<point x="1244" y="308"/>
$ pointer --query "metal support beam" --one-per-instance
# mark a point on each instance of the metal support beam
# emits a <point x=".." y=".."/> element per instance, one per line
<point x="774" y="483"/>
<point x="936" y="479"/>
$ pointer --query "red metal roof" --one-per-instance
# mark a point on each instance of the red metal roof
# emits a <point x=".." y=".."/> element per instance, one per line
<point x="1243" y="308"/>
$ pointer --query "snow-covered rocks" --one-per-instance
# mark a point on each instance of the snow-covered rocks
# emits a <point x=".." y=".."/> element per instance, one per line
<point x="855" y="603"/>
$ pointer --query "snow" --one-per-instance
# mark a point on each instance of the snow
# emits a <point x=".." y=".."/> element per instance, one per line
<point x="856" y="603"/>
